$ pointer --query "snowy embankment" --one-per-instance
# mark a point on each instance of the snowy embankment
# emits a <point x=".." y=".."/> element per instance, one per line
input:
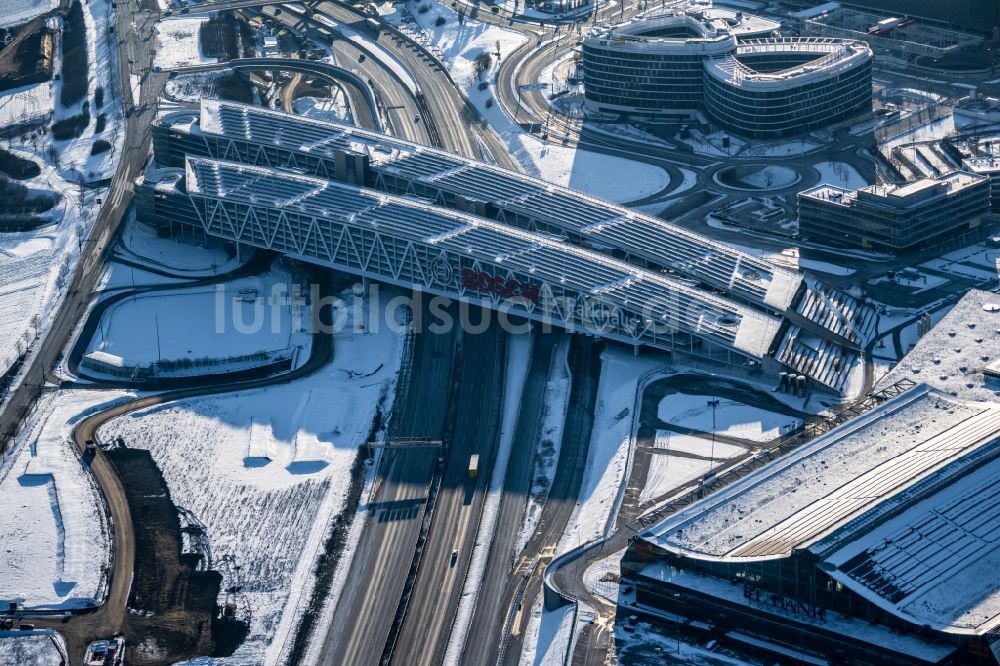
<point x="267" y="470"/>
<point x="178" y="43"/>
<point x="333" y="109"/>
<point x="56" y="543"/>
<point x="35" y="266"/>
<point x="556" y="401"/>
<point x="518" y="360"/>
<point x="460" y="43"/>
<point x="611" y="442"/>
<point x="548" y="635"/>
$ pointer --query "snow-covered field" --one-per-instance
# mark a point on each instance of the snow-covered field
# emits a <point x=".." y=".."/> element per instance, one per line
<point x="611" y="442"/>
<point x="177" y="43"/>
<point x="38" y="648"/>
<point x="35" y="266"/>
<point x="267" y="470"/>
<point x="141" y="244"/>
<point x="547" y="636"/>
<point x="238" y="319"/>
<point x="333" y="109"/>
<point x="840" y="174"/>
<point x="52" y="525"/>
<point x="15" y="12"/>
<point x="26" y="104"/>
<point x="607" y="177"/>
<point x="731" y="418"/>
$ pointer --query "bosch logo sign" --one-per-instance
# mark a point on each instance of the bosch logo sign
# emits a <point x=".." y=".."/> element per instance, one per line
<point x="499" y="285"/>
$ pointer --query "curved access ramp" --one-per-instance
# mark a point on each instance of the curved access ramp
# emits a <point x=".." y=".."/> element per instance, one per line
<point x="359" y="92"/>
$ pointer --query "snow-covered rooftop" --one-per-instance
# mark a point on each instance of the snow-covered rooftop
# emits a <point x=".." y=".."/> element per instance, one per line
<point x="601" y="223"/>
<point x="838" y="482"/>
<point x="550" y="261"/>
<point x="937" y="562"/>
<point x="953" y="355"/>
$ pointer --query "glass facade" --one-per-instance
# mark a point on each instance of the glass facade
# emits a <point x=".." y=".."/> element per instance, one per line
<point x="783" y="110"/>
<point x="847" y="220"/>
<point x="761" y="89"/>
<point x="645" y="81"/>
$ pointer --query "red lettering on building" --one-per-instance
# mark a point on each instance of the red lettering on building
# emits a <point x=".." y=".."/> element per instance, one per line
<point x="499" y="285"/>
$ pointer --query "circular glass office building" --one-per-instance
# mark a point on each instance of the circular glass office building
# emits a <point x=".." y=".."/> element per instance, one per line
<point x="725" y="63"/>
<point x="652" y="67"/>
<point x="774" y="88"/>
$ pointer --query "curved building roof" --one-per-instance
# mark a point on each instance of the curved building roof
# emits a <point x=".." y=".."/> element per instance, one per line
<point x="842" y="485"/>
<point x="829" y="57"/>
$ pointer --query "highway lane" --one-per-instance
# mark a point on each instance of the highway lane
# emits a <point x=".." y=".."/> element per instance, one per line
<point x="423" y="637"/>
<point x="397" y="101"/>
<point x="499" y="581"/>
<point x="368" y="604"/>
<point x="456" y="120"/>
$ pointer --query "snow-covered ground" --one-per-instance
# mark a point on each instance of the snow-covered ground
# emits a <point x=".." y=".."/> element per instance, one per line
<point x="548" y="636"/>
<point x="35" y="266"/>
<point x="267" y="470"/>
<point x="611" y="442"/>
<point x="333" y="109"/>
<point x="26" y="104"/>
<point x="38" y="648"/>
<point x="556" y="401"/>
<point x="769" y="177"/>
<point x="731" y="418"/>
<point x="612" y="178"/>
<point x="194" y="86"/>
<point x="15" y="12"/>
<point x="840" y="174"/>
<point x="177" y="43"/>
<point x="53" y="529"/>
<point x="141" y="244"/>
<point x="232" y="320"/>
<point x="647" y="645"/>
<point x="686" y="457"/>
<point x="713" y="144"/>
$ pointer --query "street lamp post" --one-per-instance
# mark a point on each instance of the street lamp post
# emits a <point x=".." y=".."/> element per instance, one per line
<point x="713" y="403"/>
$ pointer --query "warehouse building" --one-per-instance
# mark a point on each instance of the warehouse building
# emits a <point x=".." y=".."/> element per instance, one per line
<point x="896" y="218"/>
<point x="874" y="544"/>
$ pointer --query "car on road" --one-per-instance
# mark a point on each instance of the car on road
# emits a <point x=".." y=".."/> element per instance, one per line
<point x="454" y="557"/>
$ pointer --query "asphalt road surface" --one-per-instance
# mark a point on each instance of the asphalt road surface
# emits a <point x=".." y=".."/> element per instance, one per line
<point x="499" y="582"/>
<point x="368" y="603"/>
<point x="430" y="610"/>
<point x="136" y="47"/>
